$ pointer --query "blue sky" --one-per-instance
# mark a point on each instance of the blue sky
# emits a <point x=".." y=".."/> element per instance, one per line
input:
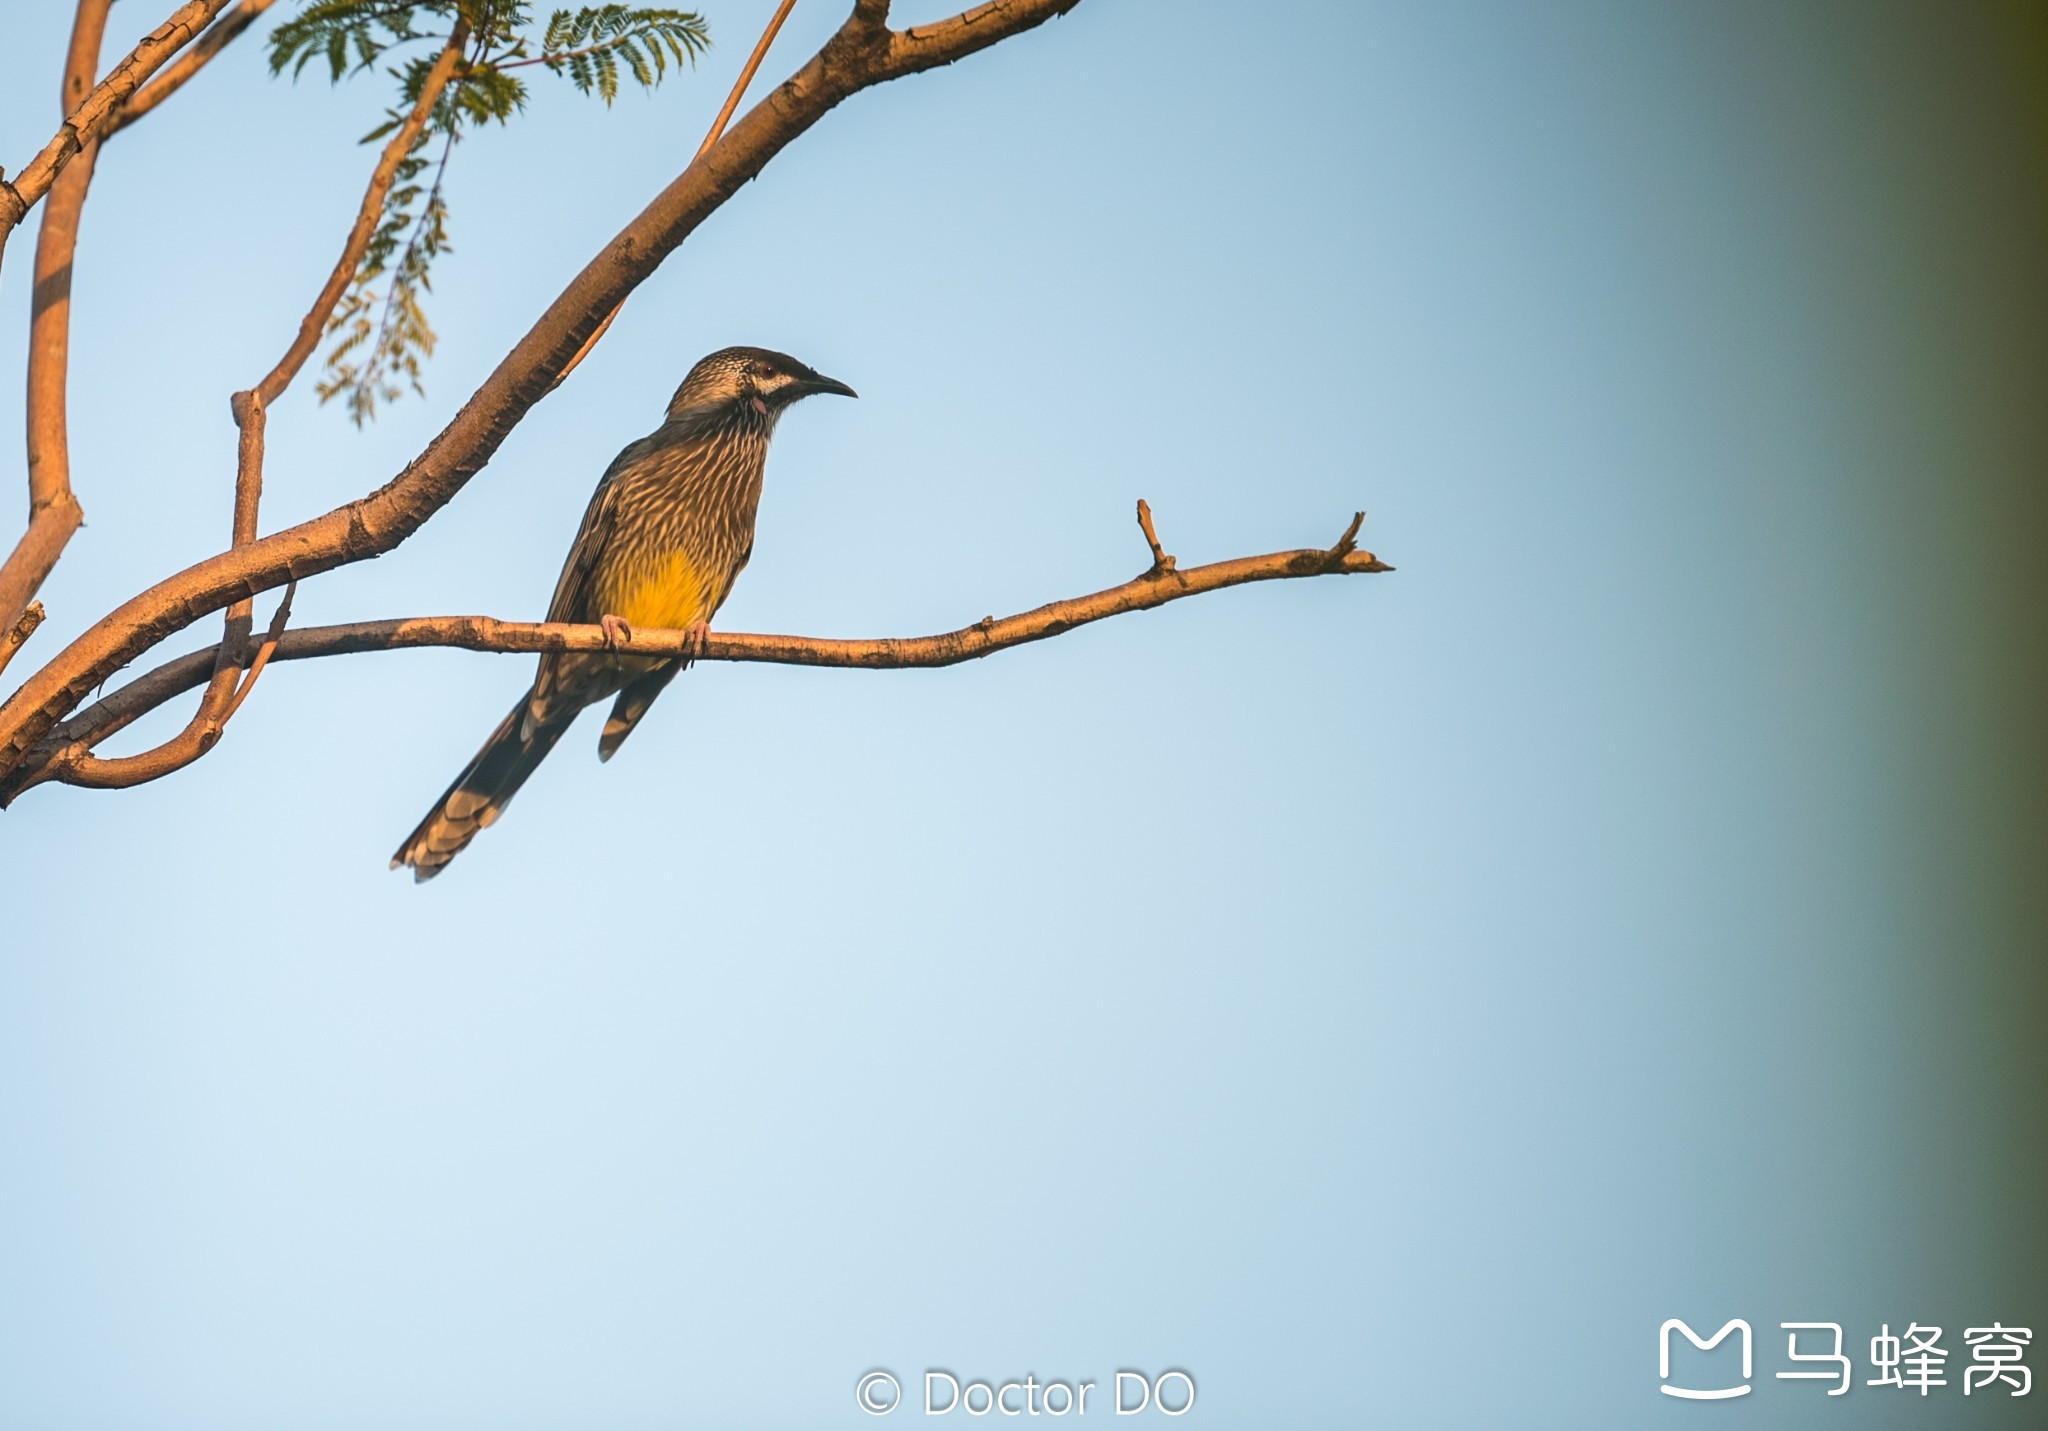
<point x="1387" y="999"/>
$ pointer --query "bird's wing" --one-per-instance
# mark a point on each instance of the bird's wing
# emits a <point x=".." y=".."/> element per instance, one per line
<point x="571" y="601"/>
<point x="558" y="687"/>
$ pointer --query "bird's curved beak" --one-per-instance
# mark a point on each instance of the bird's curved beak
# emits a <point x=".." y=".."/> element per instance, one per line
<point x="819" y="383"/>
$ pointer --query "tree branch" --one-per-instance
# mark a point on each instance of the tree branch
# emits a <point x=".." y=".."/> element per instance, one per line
<point x="863" y="53"/>
<point x="55" y="757"/>
<point x="84" y="124"/>
<point x="53" y="510"/>
<point x="77" y="766"/>
<point x="219" y="35"/>
<point x="227" y="689"/>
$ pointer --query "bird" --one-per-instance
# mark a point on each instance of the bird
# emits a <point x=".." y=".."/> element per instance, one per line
<point x="669" y="528"/>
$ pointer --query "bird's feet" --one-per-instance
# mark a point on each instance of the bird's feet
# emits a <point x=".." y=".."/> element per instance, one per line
<point x="696" y="640"/>
<point x="617" y="630"/>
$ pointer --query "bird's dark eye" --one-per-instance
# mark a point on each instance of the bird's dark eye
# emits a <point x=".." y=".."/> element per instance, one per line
<point x="764" y="372"/>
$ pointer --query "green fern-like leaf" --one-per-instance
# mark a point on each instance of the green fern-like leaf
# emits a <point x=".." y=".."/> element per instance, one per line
<point x="588" y="44"/>
<point x="348" y="34"/>
<point x="379" y="335"/>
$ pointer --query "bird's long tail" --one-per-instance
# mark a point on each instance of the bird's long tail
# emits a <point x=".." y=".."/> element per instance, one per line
<point x="480" y="793"/>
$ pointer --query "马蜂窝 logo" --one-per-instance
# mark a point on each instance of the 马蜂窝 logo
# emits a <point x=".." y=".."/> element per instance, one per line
<point x="1913" y="1360"/>
<point x="1734" y="1324"/>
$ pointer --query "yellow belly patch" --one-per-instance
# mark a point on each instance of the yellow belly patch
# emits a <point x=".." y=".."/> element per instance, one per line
<point x="673" y="594"/>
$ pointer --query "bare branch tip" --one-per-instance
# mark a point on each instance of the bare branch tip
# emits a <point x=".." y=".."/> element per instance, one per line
<point x="1161" y="562"/>
<point x="1346" y="544"/>
<point x="17" y="635"/>
<point x="26" y="623"/>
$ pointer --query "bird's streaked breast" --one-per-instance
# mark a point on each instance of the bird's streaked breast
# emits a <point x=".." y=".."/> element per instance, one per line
<point x="686" y="509"/>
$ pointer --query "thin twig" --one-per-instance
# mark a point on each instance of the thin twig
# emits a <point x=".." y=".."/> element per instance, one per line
<point x="263" y="652"/>
<point x="732" y="102"/>
<point x="1346" y="544"/>
<point x="219" y="35"/>
<point x="57" y="756"/>
<point x="739" y="87"/>
<point x="85" y="123"/>
<point x="1161" y="562"/>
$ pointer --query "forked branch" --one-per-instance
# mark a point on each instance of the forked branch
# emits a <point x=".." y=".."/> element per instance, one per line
<point x="228" y="687"/>
<point x="87" y="122"/>
<point x="219" y="35"/>
<point x="863" y="53"/>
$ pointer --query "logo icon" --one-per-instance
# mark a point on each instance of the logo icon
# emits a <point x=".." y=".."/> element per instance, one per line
<point x="1664" y="1359"/>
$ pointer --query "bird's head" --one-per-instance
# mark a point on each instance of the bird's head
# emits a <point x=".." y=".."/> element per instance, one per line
<point x="756" y="378"/>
